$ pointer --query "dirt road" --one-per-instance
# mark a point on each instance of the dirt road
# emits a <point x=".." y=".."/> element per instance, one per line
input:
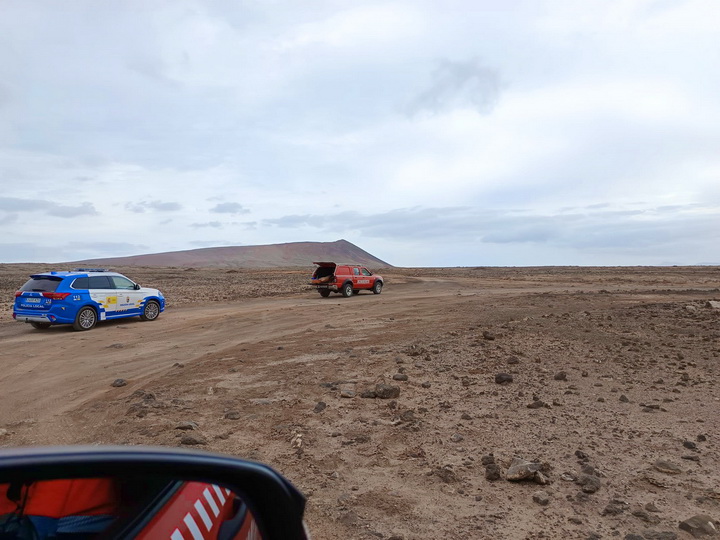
<point x="612" y="370"/>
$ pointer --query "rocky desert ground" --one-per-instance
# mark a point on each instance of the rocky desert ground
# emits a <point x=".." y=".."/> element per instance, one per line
<point x="488" y="403"/>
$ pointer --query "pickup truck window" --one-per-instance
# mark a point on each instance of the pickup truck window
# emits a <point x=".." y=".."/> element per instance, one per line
<point x="356" y="271"/>
<point x="365" y="272"/>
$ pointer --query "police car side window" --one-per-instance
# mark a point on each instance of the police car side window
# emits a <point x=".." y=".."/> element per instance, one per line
<point x="123" y="283"/>
<point x="100" y="282"/>
<point x="81" y="283"/>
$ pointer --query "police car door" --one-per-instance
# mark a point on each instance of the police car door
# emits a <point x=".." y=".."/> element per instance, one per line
<point x="102" y="291"/>
<point x="128" y="299"/>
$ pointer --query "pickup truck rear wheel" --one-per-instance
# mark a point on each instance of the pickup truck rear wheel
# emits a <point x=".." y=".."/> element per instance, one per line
<point x="324" y="292"/>
<point x="377" y="287"/>
<point x="347" y="290"/>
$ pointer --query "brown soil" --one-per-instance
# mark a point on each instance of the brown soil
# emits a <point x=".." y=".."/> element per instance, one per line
<point x="639" y="347"/>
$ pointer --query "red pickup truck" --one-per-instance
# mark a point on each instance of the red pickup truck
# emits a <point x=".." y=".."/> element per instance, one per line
<point x="346" y="279"/>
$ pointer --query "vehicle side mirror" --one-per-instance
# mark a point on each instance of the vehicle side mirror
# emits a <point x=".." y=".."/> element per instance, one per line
<point x="145" y="492"/>
<point x="136" y="287"/>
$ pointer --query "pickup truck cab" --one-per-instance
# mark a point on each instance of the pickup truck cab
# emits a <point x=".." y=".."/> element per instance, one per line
<point x="346" y="279"/>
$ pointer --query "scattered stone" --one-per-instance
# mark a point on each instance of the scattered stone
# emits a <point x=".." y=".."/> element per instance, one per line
<point x="368" y="394"/>
<point x="117" y="383"/>
<point x="425" y="384"/>
<point x="488" y="459"/>
<point x="691" y="457"/>
<point x="560" y="376"/>
<point x="488" y="335"/>
<point x="3" y="432"/>
<point x="400" y="377"/>
<point x="232" y="415"/>
<point x="701" y="438"/>
<point x="615" y="507"/>
<point x="666" y="467"/>
<point x="713" y="304"/>
<point x="386" y="391"/>
<point x="116" y="346"/>
<point x="656" y="535"/>
<point x="521" y="469"/>
<point x="178" y="364"/>
<point x="513" y="360"/>
<point x="650" y="507"/>
<point x="465" y="416"/>
<point x="492" y="472"/>
<point x="537" y="404"/>
<point x="585" y="374"/>
<point x="541" y="497"/>
<point x="624" y="399"/>
<point x="320" y="406"/>
<point x="633" y="537"/>
<point x="700" y="525"/>
<point x="503" y="378"/>
<point x="192" y="440"/>
<point x="690" y="445"/>
<point x="186" y="426"/>
<point x="589" y="483"/>
<point x="345" y="393"/>
<point x="647" y="518"/>
<point x="445" y="474"/>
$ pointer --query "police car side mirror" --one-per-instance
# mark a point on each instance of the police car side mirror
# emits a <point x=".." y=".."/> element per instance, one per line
<point x="136" y="287"/>
<point x="144" y="492"/>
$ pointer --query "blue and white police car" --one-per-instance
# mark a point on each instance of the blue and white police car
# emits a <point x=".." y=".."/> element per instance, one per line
<point x="83" y="297"/>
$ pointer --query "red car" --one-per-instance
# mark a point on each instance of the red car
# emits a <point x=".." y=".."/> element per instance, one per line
<point x="346" y="279"/>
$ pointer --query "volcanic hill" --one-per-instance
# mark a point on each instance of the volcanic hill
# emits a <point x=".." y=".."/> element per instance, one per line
<point x="267" y="256"/>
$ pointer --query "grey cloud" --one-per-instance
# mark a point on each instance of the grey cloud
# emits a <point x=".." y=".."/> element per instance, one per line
<point x="15" y="205"/>
<point x="8" y="218"/>
<point x="159" y="206"/>
<point x="591" y="230"/>
<point x="105" y="249"/>
<point x="72" y="251"/>
<point x="85" y="209"/>
<point x="209" y="243"/>
<point x="229" y="208"/>
<point x="459" y="84"/>
<point x="213" y="224"/>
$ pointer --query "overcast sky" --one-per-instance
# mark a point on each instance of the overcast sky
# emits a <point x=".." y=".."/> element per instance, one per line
<point x="429" y="133"/>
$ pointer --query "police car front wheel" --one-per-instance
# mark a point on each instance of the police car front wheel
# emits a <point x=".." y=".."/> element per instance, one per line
<point x="151" y="311"/>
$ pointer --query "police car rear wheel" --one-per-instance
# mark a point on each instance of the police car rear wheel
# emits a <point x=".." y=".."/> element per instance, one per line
<point x="40" y="325"/>
<point x="151" y="311"/>
<point x="86" y="319"/>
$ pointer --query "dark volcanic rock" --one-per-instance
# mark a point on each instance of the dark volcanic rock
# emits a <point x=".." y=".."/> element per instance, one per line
<point x="117" y="383"/>
<point x="588" y="483"/>
<point x="700" y="526"/>
<point x="503" y="378"/>
<point x="386" y="391"/>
